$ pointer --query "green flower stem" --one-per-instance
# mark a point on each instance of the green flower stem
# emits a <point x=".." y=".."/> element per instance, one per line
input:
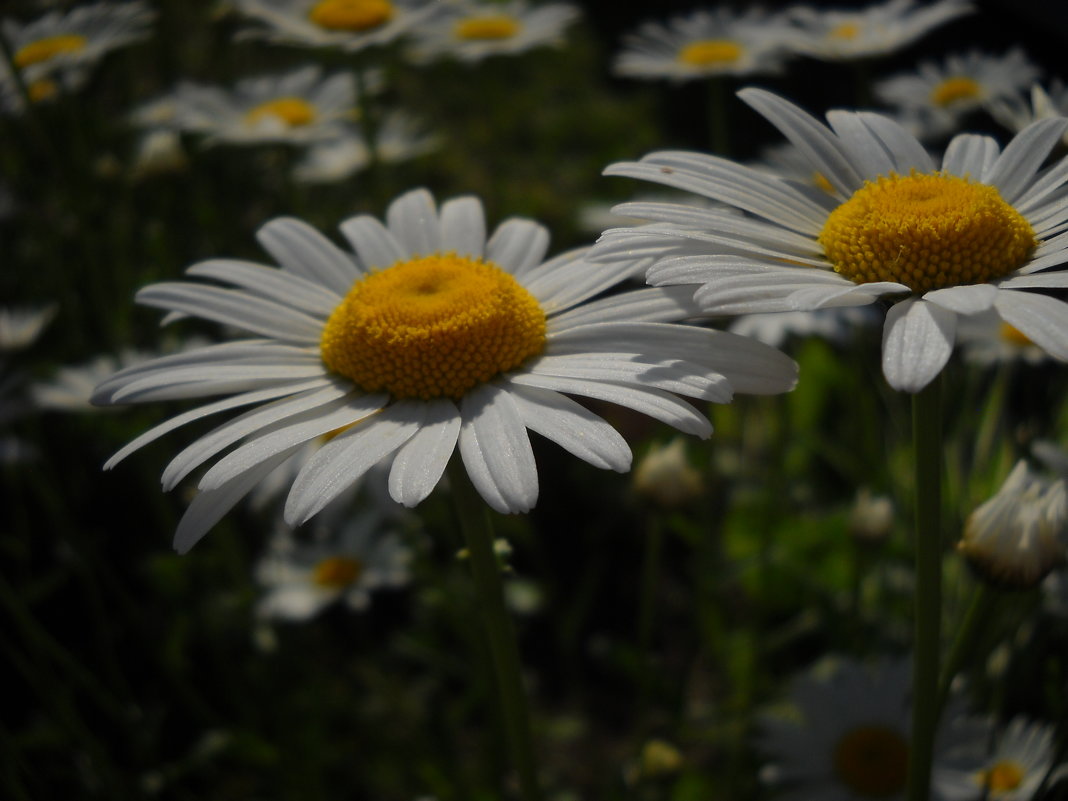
<point x="478" y="535"/>
<point x="927" y="452"/>
<point x="976" y="619"/>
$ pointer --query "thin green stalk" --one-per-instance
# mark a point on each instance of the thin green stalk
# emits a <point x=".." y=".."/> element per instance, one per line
<point x="976" y="619"/>
<point x="927" y="452"/>
<point x="486" y="570"/>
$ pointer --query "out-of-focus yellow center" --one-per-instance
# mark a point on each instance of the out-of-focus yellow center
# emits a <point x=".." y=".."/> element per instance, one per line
<point x="711" y="53"/>
<point x="351" y="15"/>
<point x="42" y="89"/>
<point x="953" y="90"/>
<point x="845" y="30"/>
<point x="498" y="26"/>
<point x="1003" y="776"/>
<point x="872" y="761"/>
<point x="1014" y="336"/>
<point x="337" y="572"/>
<point x="820" y="180"/>
<point x="926" y="231"/>
<point x="433" y="327"/>
<point x="48" y="48"/>
<point x="293" y="111"/>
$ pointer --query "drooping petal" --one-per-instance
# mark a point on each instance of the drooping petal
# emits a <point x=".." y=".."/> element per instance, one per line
<point x="496" y="450"/>
<point x="917" y="342"/>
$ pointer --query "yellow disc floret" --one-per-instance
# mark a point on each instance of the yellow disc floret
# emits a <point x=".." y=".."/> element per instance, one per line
<point x="432" y="327"/>
<point x="1003" y="777"/>
<point x="48" y="48"/>
<point x="711" y="53"/>
<point x="845" y="30"/>
<point x="926" y="231"/>
<point x="955" y="90"/>
<point x="872" y="761"/>
<point x="1013" y="335"/>
<point x="351" y="15"/>
<point x="486" y="28"/>
<point x="337" y="572"/>
<point x="292" y="111"/>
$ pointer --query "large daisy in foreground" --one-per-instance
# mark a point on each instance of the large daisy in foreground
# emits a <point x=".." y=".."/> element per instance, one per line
<point x="431" y="338"/>
<point x="981" y="231"/>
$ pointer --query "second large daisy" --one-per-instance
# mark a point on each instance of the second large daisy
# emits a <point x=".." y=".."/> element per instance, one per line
<point x="978" y="232"/>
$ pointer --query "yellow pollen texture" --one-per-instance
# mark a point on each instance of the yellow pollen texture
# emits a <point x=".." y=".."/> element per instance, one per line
<point x="872" y="761"/>
<point x="710" y="53"/>
<point x="926" y="231"/>
<point x="953" y="90"/>
<point x="351" y="15"/>
<point x="845" y="30"/>
<point x="486" y="28"/>
<point x="292" y="111"/>
<point x="337" y="572"/>
<point x="433" y="327"/>
<point x="48" y="48"/>
<point x="1003" y="777"/>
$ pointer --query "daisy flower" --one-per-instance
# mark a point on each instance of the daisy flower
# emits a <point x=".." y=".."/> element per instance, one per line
<point x="63" y="46"/>
<point x="471" y="30"/>
<point x="296" y="107"/>
<point x="342" y="564"/>
<point x="1013" y="771"/>
<point x="838" y="35"/>
<point x="20" y="327"/>
<point x="937" y="96"/>
<point x="349" y="25"/>
<point x="985" y="340"/>
<point x="1018" y="536"/>
<point x="837" y="325"/>
<point x="432" y="337"/>
<point x="399" y="138"/>
<point x="703" y="44"/>
<point x="847" y="738"/>
<point x="978" y="232"/>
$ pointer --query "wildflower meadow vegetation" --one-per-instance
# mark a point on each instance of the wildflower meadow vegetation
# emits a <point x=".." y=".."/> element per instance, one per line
<point x="552" y="401"/>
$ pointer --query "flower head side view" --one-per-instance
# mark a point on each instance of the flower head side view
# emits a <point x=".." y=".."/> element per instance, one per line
<point x="975" y="234"/>
<point x="432" y="337"/>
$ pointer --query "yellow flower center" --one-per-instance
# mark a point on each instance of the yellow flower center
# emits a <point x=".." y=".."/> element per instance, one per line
<point x="351" y="15"/>
<point x="42" y="89"/>
<point x="337" y="572"/>
<point x="872" y="761"/>
<point x="710" y="53"/>
<point x="432" y="327"/>
<point x="845" y="30"/>
<point x="293" y="111"/>
<point x="48" y="48"/>
<point x="926" y="231"/>
<point x="486" y="28"/>
<point x="1003" y="777"/>
<point x="953" y="90"/>
<point x="821" y="182"/>
<point x="1014" y="336"/>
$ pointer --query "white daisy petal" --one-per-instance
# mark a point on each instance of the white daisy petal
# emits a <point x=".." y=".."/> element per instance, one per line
<point x="375" y="246"/>
<point x="572" y="427"/>
<point x="1015" y="169"/>
<point x="971" y="299"/>
<point x="208" y="508"/>
<point x="654" y="305"/>
<point x="463" y="227"/>
<point x="684" y="378"/>
<point x="413" y="219"/>
<point x="905" y="151"/>
<point x="340" y="462"/>
<point x="301" y="249"/>
<point x="421" y="461"/>
<point x="233" y="307"/>
<point x="917" y="342"/>
<point x="272" y="284"/>
<point x="496" y="450"/>
<point x="970" y="155"/>
<point x="1044" y="320"/>
<point x="518" y="246"/>
<point x="247" y="424"/>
